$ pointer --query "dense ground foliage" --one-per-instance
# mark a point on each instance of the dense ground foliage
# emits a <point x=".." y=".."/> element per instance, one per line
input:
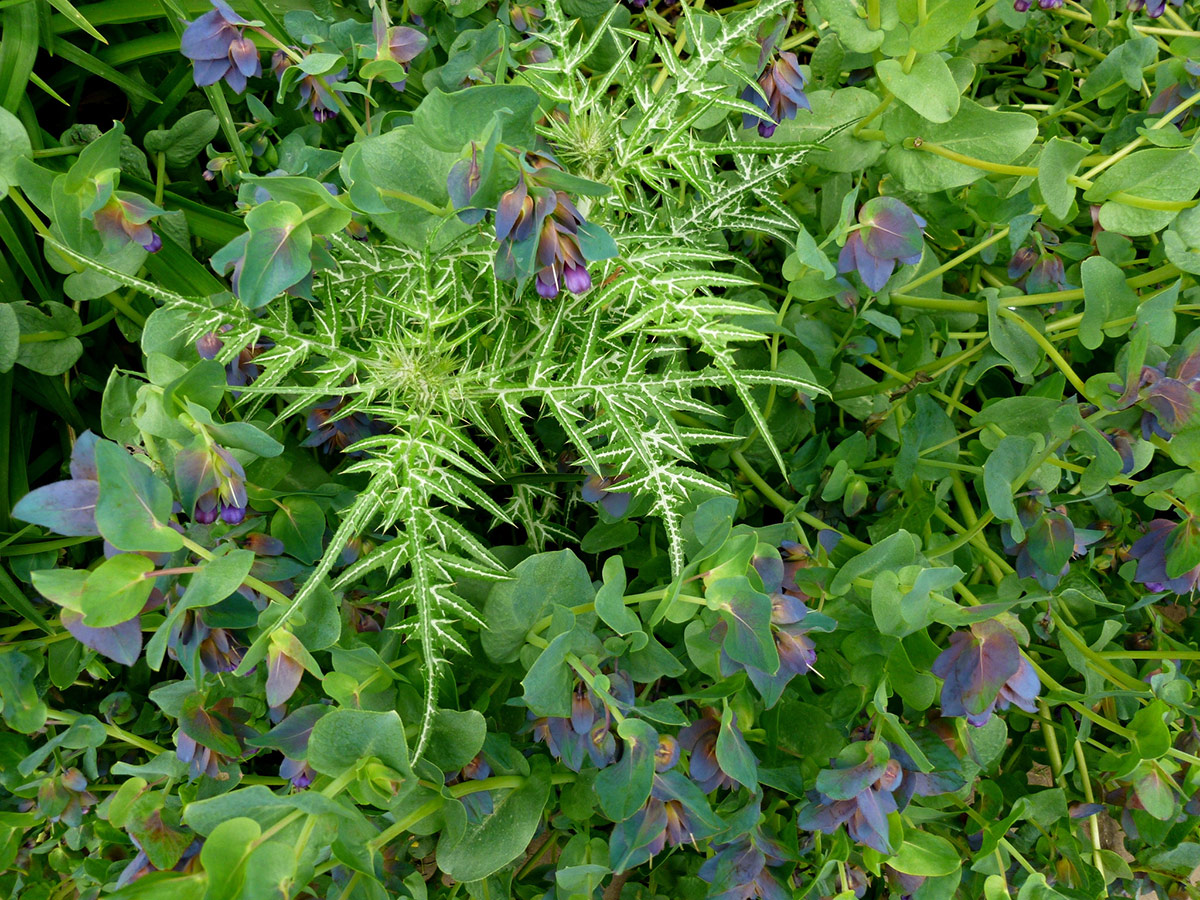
<point x="596" y="449"/>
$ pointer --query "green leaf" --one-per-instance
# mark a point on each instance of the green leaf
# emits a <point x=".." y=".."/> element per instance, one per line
<point x="942" y="22"/>
<point x="624" y="786"/>
<point x="1012" y="341"/>
<point x="831" y="112"/>
<point x="116" y="590"/>
<point x="1106" y="296"/>
<point x="300" y="524"/>
<point x="183" y="141"/>
<point x="893" y="552"/>
<point x="10" y="336"/>
<point x="276" y="253"/>
<point x="455" y="738"/>
<point x="342" y="738"/>
<point x="1154" y="174"/>
<point x="1126" y="62"/>
<point x="14" y="145"/>
<point x="547" y="684"/>
<point x="134" y="505"/>
<point x="448" y="122"/>
<point x="501" y="837"/>
<point x="926" y="855"/>
<point x="1000" y="472"/>
<point x="610" y="599"/>
<point x="986" y="134"/>
<point x="324" y="213"/>
<point x="1151" y="737"/>
<point x="49" y="346"/>
<point x="1058" y="162"/>
<point x="224" y="854"/>
<point x="848" y="20"/>
<point x="514" y="606"/>
<point x="24" y="710"/>
<point x="927" y="88"/>
<point x="733" y="755"/>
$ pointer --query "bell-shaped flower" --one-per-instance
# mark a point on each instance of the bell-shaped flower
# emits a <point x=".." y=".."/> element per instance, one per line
<point x="218" y="48"/>
<point x="983" y="669"/>
<point x="780" y="95"/>
<point x="888" y="231"/>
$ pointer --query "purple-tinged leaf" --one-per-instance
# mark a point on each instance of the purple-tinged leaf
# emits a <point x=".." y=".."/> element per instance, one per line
<point x="624" y="787"/>
<point x="858" y="766"/>
<point x="290" y="737"/>
<point x="121" y="643"/>
<point x="733" y="754"/>
<point x="747" y="615"/>
<point x="1183" y="547"/>
<point x="207" y="729"/>
<point x="893" y="231"/>
<point x="65" y="507"/>
<point x="1051" y="541"/>
<point x="1173" y="402"/>
<point x="975" y="667"/>
<point x="83" y="457"/>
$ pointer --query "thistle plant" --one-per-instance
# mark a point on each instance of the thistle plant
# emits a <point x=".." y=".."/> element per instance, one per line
<point x="590" y="449"/>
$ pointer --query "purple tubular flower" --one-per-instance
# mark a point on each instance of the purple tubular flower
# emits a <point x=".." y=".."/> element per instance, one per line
<point x="1022" y="5"/>
<point x="1021" y="262"/>
<point x="558" y="252"/>
<point x="889" y="231"/>
<point x="218" y="48"/>
<point x="214" y="483"/>
<point x="700" y="740"/>
<point x="782" y="94"/>
<point x="524" y="18"/>
<point x="297" y="772"/>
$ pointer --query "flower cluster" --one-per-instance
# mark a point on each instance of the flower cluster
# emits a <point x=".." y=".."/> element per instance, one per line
<point x="1035" y="268"/>
<point x="1154" y="8"/>
<point x="779" y="94"/>
<point x="1025" y="5"/>
<point x="540" y="231"/>
<point x="857" y="792"/>
<point x="212" y="483"/>
<point x="315" y="90"/>
<point x="398" y="45"/>
<point x="587" y="732"/>
<point x="218" y="47"/>
<point x="332" y="429"/>
<point x="791" y="623"/>
<point x="887" y="232"/>
<point x="600" y="489"/>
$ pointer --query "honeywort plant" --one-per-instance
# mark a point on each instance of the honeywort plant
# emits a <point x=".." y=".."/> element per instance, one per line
<point x="599" y="449"/>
